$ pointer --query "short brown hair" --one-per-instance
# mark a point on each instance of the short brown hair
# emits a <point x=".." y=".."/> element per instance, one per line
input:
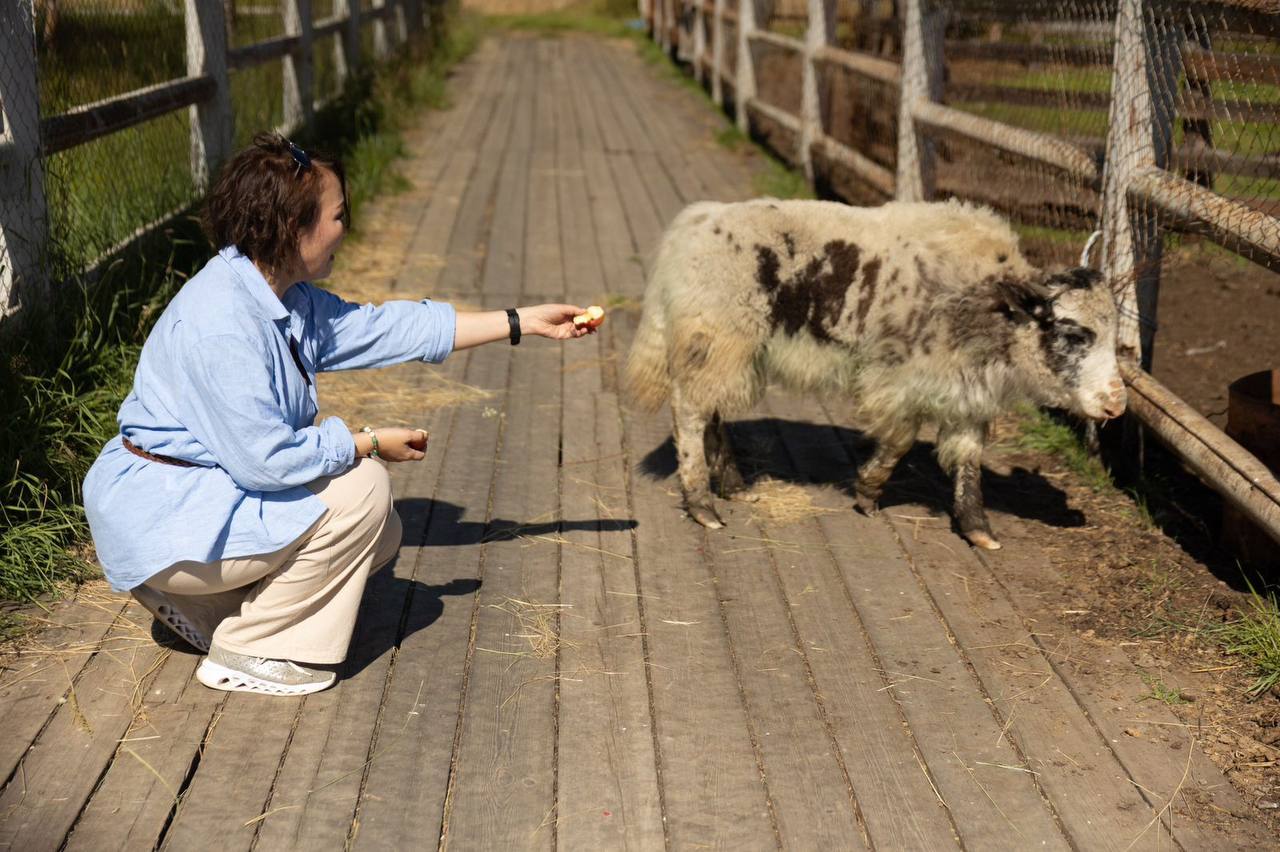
<point x="265" y="198"/>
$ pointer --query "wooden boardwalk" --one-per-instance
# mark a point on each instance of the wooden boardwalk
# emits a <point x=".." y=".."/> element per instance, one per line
<point x="558" y="658"/>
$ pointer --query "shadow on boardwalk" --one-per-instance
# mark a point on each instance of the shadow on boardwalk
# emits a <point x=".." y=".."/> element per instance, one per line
<point x="558" y="658"/>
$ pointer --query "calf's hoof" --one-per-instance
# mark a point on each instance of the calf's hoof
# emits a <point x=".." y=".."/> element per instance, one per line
<point x="982" y="539"/>
<point x="704" y="513"/>
<point x="869" y="506"/>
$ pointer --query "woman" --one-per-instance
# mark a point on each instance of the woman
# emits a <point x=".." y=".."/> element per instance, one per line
<point x="222" y="506"/>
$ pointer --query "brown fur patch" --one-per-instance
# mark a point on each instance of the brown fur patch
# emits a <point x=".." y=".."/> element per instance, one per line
<point x="814" y="297"/>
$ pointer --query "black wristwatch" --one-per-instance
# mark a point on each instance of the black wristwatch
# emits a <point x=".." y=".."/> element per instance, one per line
<point x="513" y="320"/>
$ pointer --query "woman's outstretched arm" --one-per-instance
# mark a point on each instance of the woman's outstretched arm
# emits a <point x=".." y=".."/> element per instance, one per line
<point x="554" y="321"/>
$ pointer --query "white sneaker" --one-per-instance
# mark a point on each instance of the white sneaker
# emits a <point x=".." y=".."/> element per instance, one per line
<point x="241" y="673"/>
<point x="166" y="610"/>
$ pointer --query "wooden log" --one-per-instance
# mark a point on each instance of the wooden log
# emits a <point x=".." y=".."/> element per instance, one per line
<point x="93" y="121"/>
<point x="774" y="114"/>
<point x="1235" y="226"/>
<point x="863" y="64"/>
<point x="239" y="58"/>
<point x="212" y="119"/>
<point x="1222" y="463"/>
<point x="1040" y="147"/>
<point x="865" y="168"/>
<point x="299" y="94"/>
<point x="819" y="34"/>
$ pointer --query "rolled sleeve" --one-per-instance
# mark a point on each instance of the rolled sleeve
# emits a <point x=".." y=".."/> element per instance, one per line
<point x="352" y="337"/>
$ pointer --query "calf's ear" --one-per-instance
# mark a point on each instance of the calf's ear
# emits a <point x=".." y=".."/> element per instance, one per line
<point x="1021" y="299"/>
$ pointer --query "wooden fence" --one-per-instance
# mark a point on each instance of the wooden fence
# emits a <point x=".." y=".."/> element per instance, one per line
<point x="1140" y="195"/>
<point x="28" y="137"/>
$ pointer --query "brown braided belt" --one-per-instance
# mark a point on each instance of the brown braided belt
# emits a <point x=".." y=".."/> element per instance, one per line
<point x="128" y="445"/>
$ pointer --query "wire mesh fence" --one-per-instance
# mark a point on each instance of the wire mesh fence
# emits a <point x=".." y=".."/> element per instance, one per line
<point x="100" y="135"/>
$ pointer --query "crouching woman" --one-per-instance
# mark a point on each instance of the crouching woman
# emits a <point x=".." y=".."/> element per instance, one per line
<point x="227" y="511"/>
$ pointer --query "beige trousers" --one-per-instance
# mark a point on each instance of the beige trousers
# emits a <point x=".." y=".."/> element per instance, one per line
<point x="298" y="603"/>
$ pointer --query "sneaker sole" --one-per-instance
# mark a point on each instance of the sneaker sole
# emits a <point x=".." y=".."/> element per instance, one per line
<point x="174" y="620"/>
<point x="216" y="676"/>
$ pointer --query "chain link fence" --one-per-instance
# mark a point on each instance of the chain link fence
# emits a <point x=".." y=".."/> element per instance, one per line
<point x="108" y="124"/>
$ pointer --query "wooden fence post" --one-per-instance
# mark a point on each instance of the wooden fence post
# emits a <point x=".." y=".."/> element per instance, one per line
<point x="347" y="51"/>
<point x="744" y="88"/>
<point x="819" y="34"/>
<point x="212" y="122"/>
<point x="299" y="93"/>
<point x="24" y="218"/>
<point x="717" y="53"/>
<point x="1140" y="136"/>
<point x="381" y="46"/>
<point x="699" y="42"/>
<point x="922" y="63"/>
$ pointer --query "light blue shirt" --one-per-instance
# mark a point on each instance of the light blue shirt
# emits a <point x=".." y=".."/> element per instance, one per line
<point x="217" y="385"/>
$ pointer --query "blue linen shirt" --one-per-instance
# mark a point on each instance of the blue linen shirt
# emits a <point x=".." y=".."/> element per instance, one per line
<point x="217" y="385"/>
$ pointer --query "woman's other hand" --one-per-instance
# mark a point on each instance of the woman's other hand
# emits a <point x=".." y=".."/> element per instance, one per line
<point x="395" y="444"/>
<point x="553" y="321"/>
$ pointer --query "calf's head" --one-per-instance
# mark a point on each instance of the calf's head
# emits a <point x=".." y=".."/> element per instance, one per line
<point x="1065" y="341"/>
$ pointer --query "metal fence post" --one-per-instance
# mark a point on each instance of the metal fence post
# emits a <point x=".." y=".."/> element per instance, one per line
<point x="819" y="34"/>
<point x="24" y="222"/>
<point x="299" y="95"/>
<point x="922" y="31"/>
<point x="1139" y="137"/>
<point x="212" y="122"/>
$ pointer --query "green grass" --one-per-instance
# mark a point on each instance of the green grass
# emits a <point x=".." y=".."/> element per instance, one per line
<point x="1161" y="692"/>
<point x="1255" y="637"/>
<point x="1044" y="434"/>
<point x="61" y="387"/>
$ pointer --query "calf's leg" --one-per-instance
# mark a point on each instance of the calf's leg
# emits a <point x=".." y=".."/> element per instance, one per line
<point x="960" y="451"/>
<point x="874" y="473"/>
<point x="695" y="478"/>
<point x="723" y="466"/>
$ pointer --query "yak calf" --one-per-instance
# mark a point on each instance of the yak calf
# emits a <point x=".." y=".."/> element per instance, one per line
<point x="916" y="312"/>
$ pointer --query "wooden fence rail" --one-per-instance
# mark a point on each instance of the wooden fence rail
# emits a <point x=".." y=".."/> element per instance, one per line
<point x="1130" y="167"/>
<point x="26" y="137"/>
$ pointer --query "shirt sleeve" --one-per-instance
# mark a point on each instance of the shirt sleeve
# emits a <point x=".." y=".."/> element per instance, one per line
<point x="234" y="412"/>
<point x="351" y="337"/>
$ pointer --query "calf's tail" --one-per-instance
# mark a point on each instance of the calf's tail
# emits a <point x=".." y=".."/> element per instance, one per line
<point x="647" y="381"/>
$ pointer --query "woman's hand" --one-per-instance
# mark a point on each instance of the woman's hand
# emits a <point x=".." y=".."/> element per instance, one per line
<point x="553" y="321"/>
<point x="395" y="444"/>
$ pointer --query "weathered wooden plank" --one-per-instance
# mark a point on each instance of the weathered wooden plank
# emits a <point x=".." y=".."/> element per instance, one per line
<point x="502" y="795"/>
<point x="239" y="58"/>
<point x="36" y="681"/>
<point x="959" y="737"/>
<point x="60" y="770"/>
<point x="505" y="251"/>
<point x="713" y="789"/>
<point x="543" y="270"/>
<point x="238" y="764"/>
<point x="607" y="782"/>
<point x="132" y="804"/>
<point x="883" y="763"/>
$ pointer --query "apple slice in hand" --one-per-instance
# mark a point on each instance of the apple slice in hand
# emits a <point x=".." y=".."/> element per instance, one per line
<point x="591" y="319"/>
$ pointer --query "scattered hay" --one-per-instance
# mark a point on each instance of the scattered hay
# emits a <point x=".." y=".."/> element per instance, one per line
<point x="537" y="624"/>
<point x="783" y="503"/>
<point x="392" y="395"/>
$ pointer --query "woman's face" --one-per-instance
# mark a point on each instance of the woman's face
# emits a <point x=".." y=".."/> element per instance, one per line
<point x="319" y="244"/>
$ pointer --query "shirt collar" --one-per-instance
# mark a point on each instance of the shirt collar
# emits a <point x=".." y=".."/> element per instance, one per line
<point x="254" y="282"/>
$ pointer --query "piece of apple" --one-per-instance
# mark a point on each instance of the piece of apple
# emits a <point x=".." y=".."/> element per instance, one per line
<point x="591" y="319"/>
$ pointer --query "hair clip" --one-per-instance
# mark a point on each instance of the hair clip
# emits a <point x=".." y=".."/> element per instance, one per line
<point x="301" y="157"/>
